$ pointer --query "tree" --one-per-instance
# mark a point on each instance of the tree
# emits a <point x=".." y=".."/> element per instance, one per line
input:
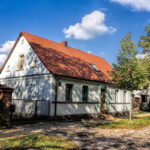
<point x="144" y="42"/>
<point x="128" y="73"/>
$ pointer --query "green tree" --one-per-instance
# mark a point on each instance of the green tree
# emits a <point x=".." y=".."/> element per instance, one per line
<point x="128" y="73"/>
<point x="145" y="63"/>
<point x="144" y="42"/>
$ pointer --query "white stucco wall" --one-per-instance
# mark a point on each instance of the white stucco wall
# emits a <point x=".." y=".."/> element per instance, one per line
<point x="28" y="90"/>
<point x="121" y="104"/>
<point x="23" y="48"/>
<point x="76" y="109"/>
<point x="32" y="88"/>
<point x="30" y="84"/>
<point x="94" y="92"/>
<point x="77" y="106"/>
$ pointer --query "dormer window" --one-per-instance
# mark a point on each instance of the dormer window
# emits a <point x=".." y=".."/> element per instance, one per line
<point x="95" y="67"/>
<point x="21" y="62"/>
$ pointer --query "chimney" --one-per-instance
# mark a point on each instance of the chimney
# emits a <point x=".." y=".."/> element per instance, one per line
<point x="64" y="43"/>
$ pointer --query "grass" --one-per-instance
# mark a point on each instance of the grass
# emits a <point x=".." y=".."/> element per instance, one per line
<point x="136" y="123"/>
<point x="140" y="113"/>
<point x="37" y="142"/>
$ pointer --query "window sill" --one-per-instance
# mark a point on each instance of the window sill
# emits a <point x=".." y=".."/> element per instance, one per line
<point x="33" y="66"/>
<point x="19" y="69"/>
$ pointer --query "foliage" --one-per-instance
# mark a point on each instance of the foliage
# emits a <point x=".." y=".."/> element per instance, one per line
<point x="128" y="73"/>
<point x="145" y="41"/>
<point x="125" y="124"/>
<point x="40" y="141"/>
<point x="145" y="63"/>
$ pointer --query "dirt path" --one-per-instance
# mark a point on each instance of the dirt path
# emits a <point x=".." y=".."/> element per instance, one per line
<point x="87" y="138"/>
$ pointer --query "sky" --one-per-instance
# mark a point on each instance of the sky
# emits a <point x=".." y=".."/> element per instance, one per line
<point x="94" y="26"/>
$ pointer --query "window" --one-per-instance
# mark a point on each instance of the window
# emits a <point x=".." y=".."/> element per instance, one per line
<point x="144" y="98"/>
<point x="124" y="96"/>
<point x="69" y="92"/>
<point x="8" y="68"/>
<point x="22" y="42"/>
<point x="95" y="67"/>
<point x="116" y="95"/>
<point x="21" y="62"/>
<point x="85" y="91"/>
<point x="34" y="63"/>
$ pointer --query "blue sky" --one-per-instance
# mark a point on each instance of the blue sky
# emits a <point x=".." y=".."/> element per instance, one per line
<point x="52" y="19"/>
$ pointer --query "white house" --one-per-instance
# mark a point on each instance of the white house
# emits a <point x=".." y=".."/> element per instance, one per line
<point x="52" y="79"/>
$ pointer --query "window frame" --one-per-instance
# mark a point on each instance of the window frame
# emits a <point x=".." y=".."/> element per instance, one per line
<point x="124" y="96"/>
<point x="87" y="94"/>
<point x="116" y="95"/>
<point x="21" y="62"/>
<point x="8" y="68"/>
<point x="95" y="67"/>
<point x="34" y="64"/>
<point x="72" y="90"/>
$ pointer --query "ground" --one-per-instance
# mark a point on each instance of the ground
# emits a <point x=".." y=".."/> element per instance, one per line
<point x="85" y="136"/>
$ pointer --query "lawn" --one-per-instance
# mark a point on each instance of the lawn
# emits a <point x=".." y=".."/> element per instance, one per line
<point x="140" y="113"/>
<point x="136" y="123"/>
<point x="37" y="142"/>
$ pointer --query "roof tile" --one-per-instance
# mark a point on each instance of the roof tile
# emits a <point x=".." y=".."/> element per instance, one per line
<point x="68" y="61"/>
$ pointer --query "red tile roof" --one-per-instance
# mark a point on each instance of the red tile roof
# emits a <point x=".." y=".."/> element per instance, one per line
<point x="67" y="61"/>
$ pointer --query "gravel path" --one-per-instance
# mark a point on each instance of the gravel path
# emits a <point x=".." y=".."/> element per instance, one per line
<point x="87" y="138"/>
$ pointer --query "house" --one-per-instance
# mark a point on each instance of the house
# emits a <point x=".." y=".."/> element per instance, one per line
<point x="141" y="100"/>
<point x="51" y="78"/>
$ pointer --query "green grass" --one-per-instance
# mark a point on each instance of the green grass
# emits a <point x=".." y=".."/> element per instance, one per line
<point x="125" y="124"/>
<point x="37" y="142"/>
<point x="140" y="113"/>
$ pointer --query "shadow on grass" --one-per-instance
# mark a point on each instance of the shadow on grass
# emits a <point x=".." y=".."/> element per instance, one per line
<point x="136" y="123"/>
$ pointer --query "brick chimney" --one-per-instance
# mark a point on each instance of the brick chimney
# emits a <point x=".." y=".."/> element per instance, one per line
<point x="64" y="43"/>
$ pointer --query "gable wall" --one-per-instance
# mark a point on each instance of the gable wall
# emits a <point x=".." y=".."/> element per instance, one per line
<point x="23" y="48"/>
<point x="31" y="85"/>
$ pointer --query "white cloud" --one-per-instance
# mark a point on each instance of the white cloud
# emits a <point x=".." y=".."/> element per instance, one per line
<point x="91" y="25"/>
<point x="4" y="50"/>
<point x="6" y="47"/>
<point x="2" y="58"/>
<point x="89" y="52"/>
<point x="135" y="4"/>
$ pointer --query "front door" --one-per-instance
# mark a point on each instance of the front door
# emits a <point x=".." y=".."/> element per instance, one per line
<point x="103" y="100"/>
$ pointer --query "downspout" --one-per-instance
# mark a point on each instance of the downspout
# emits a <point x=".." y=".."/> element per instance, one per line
<point x="56" y="88"/>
